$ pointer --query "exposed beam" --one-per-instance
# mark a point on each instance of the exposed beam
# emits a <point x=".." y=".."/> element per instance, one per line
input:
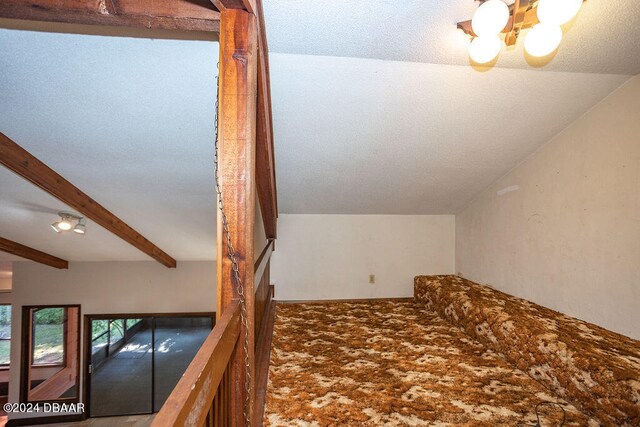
<point x="23" y="251"/>
<point x="246" y="5"/>
<point x="236" y="150"/>
<point x="265" y="159"/>
<point x="30" y="168"/>
<point x="184" y="15"/>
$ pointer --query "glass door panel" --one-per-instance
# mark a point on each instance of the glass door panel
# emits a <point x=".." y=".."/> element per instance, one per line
<point x="121" y="367"/>
<point x="177" y="340"/>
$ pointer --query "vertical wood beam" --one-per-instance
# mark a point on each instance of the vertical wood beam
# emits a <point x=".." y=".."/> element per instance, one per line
<point x="237" y="157"/>
<point x="265" y="158"/>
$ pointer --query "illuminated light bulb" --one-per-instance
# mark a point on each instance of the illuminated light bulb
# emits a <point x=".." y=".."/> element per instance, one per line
<point x="490" y="18"/>
<point x="64" y="225"/>
<point x="543" y="39"/>
<point x="484" y="49"/>
<point x="557" y="12"/>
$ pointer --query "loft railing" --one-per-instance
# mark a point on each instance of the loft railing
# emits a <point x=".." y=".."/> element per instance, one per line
<point x="212" y="391"/>
<point x="203" y="394"/>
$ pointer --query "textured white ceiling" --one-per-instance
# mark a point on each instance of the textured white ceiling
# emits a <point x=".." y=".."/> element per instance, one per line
<point x="602" y="39"/>
<point x="130" y="120"/>
<point x="363" y="136"/>
<point x="127" y="120"/>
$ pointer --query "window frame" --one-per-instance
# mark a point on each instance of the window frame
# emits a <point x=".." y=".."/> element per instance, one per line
<point x="32" y="347"/>
<point x="7" y="366"/>
<point x="25" y="349"/>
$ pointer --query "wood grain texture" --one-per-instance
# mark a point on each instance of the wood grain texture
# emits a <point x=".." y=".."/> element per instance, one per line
<point x="245" y="5"/>
<point x="262" y="301"/>
<point x="263" y="356"/>
<point x="236" y="150"/>
<point x="265" y="154"/>
<point x="20" y="161"/>
<point x="190" y="401"/>
<point x="183" y="15"/>
<point x="23" y="251"/>
<point x="262" y="262"/>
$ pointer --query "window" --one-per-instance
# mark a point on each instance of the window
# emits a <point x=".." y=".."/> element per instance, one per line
<point x="116" y="331"/>
<point x="5" y="335"/>
<point x="131" y="323"/>
<point x="99" y="335"/>
<point x="48" y="336"/>
<point x="50" y="356"/>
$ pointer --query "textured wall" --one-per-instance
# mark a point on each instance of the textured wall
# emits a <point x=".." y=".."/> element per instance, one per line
<point x="332" y="256"/>
<point x="563" y="228"/>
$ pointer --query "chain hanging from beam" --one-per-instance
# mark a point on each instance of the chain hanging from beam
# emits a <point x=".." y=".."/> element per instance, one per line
<point x="231" y="254"/>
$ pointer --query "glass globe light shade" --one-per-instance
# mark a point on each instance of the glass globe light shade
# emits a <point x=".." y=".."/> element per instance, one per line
<point x="557" y="12"/>
<point x="490" y="18"/>
<point x="543" y="39"/>
<point x="484" y="49"/>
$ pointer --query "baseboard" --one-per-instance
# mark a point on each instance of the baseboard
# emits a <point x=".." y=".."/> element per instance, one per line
<point x="327" y="301"/>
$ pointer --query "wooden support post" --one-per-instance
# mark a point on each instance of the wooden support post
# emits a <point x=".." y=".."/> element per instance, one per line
<point x="237" y="157"/>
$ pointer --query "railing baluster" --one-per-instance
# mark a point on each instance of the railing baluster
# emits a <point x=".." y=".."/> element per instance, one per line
<point x="202" y="396"/>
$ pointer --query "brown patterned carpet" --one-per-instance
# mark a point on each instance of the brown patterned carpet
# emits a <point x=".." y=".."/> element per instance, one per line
<point x="594" y="368"/>
<point x="393" y="363"/>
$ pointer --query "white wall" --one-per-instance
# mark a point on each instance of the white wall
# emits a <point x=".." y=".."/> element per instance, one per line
<point x="332" y="256"/>
<point x="110" y="287"/>
<point x="569" y="236"/>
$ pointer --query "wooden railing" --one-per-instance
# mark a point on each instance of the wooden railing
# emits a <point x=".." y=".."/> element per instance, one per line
<point x="262" y="283"/>
<point x="203" y="394"/>
<point x="212" y="391"/>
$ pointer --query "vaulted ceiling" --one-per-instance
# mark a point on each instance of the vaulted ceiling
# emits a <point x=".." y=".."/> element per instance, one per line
<point x="376" y="110"/>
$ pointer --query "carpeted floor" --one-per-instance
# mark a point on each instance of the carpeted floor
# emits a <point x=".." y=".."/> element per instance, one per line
<point x="394" y="364"/>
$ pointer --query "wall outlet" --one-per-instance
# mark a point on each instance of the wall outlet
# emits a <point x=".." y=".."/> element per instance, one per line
<point x="372" y="278"/>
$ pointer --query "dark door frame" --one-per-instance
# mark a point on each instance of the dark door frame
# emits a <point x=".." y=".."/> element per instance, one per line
<point x="26" y="336"/>
<point x="87" y="347"/>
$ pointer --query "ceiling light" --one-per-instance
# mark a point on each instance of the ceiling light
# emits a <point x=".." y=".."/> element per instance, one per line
<point x="557" y="12"/>
<point x="64" y="225"/>
<point x="493" y="19"/>
<point x="80" y="227"/>
<point x="69" y="221"/>
<point x="484" y="49"/>
<point x="490" y="18"/>
<point x="543" y="39"/>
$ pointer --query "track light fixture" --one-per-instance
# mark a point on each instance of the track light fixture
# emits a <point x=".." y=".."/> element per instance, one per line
<point x="70" y="221"/>
<point x="494" y="17"/>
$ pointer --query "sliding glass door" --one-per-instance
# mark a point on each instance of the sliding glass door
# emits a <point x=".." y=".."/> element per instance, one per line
<point x="177" y="340"/>
<point x="135" y="362"/>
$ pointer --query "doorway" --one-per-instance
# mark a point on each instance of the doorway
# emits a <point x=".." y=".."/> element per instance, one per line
<point x="50" y="359"/>
<point x="134" y="361"/>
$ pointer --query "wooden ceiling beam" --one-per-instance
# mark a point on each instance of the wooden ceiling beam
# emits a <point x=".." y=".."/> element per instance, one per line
<point x="20" y="161"/>
<point x="246" y="5"/>
<point x="183" y="15"/>
<point x="23" y="251"/>
<point x="265" y="158"/>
